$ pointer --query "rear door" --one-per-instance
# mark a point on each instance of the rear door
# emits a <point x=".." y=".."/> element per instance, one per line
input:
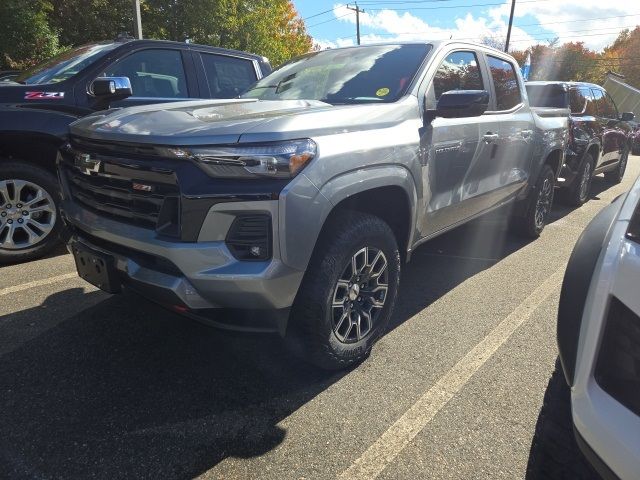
<point x="456" y="152"/>
<point x="225" y="76"/>
<point x="612" y="134"/>
<point x="508" y="168"/>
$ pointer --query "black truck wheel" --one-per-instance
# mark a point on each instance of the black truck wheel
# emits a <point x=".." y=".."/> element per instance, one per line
<point x="30" y="224"/>
<point x="533" y="213"/>
<point x="348" y="292"/>
<point x="579" y="191"/>
<point x="616" y="175"/>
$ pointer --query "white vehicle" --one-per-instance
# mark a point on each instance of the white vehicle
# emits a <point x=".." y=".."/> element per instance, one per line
<point x="599" y="338"/>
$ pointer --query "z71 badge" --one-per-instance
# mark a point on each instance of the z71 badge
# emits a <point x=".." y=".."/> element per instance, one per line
<point x="42" y="95"/>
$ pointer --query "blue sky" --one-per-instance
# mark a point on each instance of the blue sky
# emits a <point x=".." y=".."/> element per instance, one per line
<point x="596" y="22"/>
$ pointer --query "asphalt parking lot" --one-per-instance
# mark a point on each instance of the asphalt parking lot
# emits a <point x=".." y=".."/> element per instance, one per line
<point x="99" y="386"/>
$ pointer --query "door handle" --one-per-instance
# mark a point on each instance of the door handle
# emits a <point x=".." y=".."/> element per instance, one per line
<point x="490" y="137"/>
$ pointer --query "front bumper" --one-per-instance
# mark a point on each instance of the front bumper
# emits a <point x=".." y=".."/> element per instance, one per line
<point x="196" y="275"/>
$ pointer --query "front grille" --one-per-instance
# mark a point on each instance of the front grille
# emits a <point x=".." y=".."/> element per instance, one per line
<point x="618" y="366"/>
<point x="249" y="237"/>
<point x="126" y="191"/>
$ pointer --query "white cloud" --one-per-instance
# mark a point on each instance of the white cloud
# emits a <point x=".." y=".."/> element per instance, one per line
<point x="391" y="25"/>
<point x="588" y="21"/>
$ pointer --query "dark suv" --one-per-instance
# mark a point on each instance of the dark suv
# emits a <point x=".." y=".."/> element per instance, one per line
<point x="599" y="137"/>
<point x="37" y="106"/>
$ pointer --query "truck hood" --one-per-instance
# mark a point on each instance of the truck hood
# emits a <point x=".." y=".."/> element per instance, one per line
<point x="231" y="121"/>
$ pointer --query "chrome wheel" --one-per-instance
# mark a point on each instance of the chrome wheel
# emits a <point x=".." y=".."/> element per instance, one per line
<point x="27" y="214"/>
<point x="360" y="295"/>
<point x="585" y="181"/>
<point x="543" y="204"/>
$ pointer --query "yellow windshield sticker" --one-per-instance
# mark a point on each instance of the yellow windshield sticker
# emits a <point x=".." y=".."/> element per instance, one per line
<point x="382" y="92"/>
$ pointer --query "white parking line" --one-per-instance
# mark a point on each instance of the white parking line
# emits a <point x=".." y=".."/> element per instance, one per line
<point x="38" y="283"/>
<point x="383" y="451"/>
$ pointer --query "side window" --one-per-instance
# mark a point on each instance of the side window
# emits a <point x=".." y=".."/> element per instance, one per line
<point x="590" y="107"/>
<point x="505" y="81"/>
<point x="604" y="105"/>
<point x="458" y="71"/>
<point x="611" y="106"/>
<point x="228" y="77"/>
<point x="581" y="101"/>
<point x="153" y="73"/>
<point x="577" y="100"/>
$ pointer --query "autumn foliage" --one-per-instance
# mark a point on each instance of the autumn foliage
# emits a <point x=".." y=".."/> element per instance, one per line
<point x="575" y="62"/>
<point x="34" y="30"/>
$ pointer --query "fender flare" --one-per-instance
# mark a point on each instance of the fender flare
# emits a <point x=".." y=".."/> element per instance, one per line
<point x="351" y="183"/>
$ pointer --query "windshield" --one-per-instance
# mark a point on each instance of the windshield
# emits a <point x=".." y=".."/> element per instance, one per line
<point x="65" y="65"/>
<point x="380" y="73"/>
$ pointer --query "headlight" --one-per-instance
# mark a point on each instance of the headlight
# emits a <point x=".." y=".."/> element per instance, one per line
<point x="274" y="160"/>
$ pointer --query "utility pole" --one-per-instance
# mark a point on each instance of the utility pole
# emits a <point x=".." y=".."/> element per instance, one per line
<point x="358" y="12"/>
<point x="506" y="44"/>
<point x="137" y="21"/>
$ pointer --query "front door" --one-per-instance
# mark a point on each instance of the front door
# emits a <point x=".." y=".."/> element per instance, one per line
<point x="455" y="152"/>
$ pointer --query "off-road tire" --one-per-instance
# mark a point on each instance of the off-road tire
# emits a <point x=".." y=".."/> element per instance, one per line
<point x="49" y="182"/>
<point x="574" y="195"/>
<point x="555" y="454"/>
<point x="523" y="222"/>
<point x="310" y="332"/>
<point x="616" y="175"/>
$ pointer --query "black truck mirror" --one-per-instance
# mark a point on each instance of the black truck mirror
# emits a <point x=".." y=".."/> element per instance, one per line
<point x="109" y="89"/>
<point x="627" y="116"/>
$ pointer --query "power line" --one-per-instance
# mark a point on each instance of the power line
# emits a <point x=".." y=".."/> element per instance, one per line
<point x="458" y="6"/>
<point x="531" y="34"/>
<point x="575" y="21"/>
<point x="317" y="14"/>
<point x="327" y="21"/>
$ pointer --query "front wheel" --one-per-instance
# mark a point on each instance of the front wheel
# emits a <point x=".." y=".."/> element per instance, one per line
<point x="30" y="222"/>
<point x="615" y="176"/>
<point x="348" y="292"/>
<point x="579" y="192"/>
<point x="536" y="207"/>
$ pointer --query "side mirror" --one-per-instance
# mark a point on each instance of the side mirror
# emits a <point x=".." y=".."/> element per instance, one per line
<point x="462" y="103"/>
<point x="627" y="116"/>
<point x="110" y="89"/>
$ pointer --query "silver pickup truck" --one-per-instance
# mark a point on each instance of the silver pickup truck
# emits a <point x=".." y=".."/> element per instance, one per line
<point x="299" y="201"/>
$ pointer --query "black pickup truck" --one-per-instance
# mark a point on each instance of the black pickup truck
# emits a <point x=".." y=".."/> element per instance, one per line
<point x="599" y="136"/>
<point x="37" y="106"/>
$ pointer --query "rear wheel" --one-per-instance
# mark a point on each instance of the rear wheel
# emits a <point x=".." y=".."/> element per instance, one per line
<point x="536" y="207"/>
<point x="579" y="192"/>
<point x="615" y="176"/>
<point x="30" y="222"/>
<point x="348" y="293"/>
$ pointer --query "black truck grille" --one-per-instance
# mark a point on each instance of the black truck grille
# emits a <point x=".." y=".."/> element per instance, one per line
<point x="130" y="190"/>
<point x="116" y="198"/>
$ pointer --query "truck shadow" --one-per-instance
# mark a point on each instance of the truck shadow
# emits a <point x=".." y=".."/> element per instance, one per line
<point x="554" y="453"/>
<point x="128" y="389"/>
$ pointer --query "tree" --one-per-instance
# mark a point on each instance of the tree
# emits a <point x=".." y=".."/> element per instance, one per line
<point x="26" y="37"/>
<point x="622" y="57"/>
<point x="83" y="21"/>
<point x="268" y="27"/>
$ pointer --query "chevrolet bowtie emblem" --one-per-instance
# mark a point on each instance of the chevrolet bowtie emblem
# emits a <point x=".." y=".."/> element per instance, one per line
<point x="86" y="164"/>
